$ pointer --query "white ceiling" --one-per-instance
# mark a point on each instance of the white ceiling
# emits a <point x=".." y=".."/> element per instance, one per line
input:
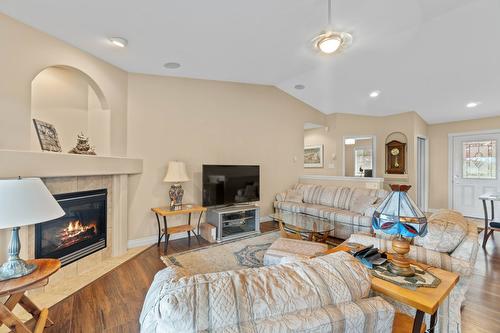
<point x="428" y="56"/>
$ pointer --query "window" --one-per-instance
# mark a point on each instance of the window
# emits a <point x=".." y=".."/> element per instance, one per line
<point x="480" y="159"/>
<point x="363" y="160"/>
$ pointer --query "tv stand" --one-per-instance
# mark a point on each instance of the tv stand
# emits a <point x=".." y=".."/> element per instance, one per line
<point x="234" y="221"/>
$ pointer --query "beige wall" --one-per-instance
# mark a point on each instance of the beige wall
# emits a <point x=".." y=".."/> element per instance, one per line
<point x="200" y="121"/>
<point x="25" y="52"/>
<point x="344" y="125"/>
<point x="438" y="155"/>
<point x="321" y="136"/>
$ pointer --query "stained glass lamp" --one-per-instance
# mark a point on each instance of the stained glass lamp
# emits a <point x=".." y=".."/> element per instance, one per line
<point x="398" y="215"/>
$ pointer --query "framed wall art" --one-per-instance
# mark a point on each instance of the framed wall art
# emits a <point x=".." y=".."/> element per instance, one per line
<point x="313" y="156"/>
<point x="47" y="135"/>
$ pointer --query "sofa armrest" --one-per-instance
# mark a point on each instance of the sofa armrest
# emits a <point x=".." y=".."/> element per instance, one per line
<point x="281" y="196"/>
<point x="468" y="248"/>
<point x="420" y="254"/>
<point x="370" y="210"/>
<point x="160" y="282"/>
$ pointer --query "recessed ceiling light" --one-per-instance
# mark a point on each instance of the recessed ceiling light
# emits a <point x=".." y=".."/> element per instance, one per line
<point x="118" y="41"/>
<point x="471" y="105"/>
<point x="299" y="86"/>
<point x="375" y="93"/>
<point x="172" y="65"/>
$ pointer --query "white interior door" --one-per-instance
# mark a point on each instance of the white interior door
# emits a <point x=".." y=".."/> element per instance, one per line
<point x="475" y="171"/>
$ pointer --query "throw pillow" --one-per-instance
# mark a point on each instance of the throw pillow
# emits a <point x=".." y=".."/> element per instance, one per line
<point x="446" y="229"/>
<point x="294" y="196"/>
<point x="361" y="203"/>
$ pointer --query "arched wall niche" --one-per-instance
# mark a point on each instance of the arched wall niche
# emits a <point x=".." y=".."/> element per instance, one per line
<point x="401" y="137"/>
<point x="72" y="101"/>
<point x="398" y="136"/>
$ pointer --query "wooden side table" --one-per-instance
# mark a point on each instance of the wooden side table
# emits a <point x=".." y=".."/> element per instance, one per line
<point x="183" y="210"/>
<point x="15" y="289"/>
<point x="424" y="300"/>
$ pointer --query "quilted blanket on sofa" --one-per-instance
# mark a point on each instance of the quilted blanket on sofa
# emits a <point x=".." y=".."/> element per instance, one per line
<point x="325" y="294"/>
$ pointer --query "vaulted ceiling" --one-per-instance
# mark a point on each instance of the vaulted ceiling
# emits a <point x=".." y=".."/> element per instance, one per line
<point x="428" y="56"/>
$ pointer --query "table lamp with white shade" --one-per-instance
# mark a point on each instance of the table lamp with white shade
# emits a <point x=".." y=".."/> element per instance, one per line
<point x="176" y="174"/>
<point x="23" y="201"/>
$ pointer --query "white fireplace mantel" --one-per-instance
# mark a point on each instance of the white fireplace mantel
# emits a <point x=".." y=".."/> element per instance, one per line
<point x="14" y="163"/>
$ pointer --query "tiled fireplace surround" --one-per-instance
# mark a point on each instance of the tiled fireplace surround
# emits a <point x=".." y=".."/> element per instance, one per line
<point x="116" y="231"/>
<point x="65" y="173"/>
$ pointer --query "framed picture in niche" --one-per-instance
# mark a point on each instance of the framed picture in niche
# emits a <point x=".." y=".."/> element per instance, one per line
<point x="47" y="135"/>
<point x="313" y="156"/>
<point x="395" y="154"/>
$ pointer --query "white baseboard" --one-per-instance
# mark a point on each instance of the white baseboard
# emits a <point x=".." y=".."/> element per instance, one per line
<point x="151" y="240"/>
<point x="432" y="210"/>
<point x="148" y="240"/>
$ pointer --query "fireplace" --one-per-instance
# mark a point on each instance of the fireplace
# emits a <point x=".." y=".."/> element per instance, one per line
<point x="80" y="232"/>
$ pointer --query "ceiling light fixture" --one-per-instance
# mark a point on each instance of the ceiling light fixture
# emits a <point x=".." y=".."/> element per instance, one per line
<point x="375" y="93"/>
<point x="299" y="86"/>
<point x="330" y="42"/>
<point x="172" y="65"/>
<point x="471" y="105"/>
<point x="119" y="41"/>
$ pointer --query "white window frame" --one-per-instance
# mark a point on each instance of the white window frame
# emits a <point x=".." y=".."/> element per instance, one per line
<point x="356" y="166"/>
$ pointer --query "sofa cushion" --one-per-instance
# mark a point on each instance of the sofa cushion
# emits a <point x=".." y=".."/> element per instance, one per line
<point x="361" y="203"/>
<point x="358" y="191"/>
<point x="311" y="192"/>
<point x="446" y="229"/>
<point x="294" y="196"/>
<point x="214" y="301"/>
<point x="327" y="196"/>
<point x="337" y="197"/>
<point x="293" y="207"/>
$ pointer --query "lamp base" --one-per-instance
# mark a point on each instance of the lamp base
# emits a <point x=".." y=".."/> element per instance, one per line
<point x="15" y="268"/>
<point x="176" y="193"/>
<point x="399" y="264"/>
<point x="400" y="270"/>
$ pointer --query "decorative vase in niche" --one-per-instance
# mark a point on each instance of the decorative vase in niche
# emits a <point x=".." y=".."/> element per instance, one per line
<point x="176" y="193"/>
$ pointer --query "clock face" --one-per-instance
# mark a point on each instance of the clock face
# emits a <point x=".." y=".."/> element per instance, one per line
<point x="395" y="151"/>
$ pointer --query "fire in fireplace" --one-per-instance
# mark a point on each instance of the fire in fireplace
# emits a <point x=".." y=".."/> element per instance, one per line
<point x="80" y="232"/>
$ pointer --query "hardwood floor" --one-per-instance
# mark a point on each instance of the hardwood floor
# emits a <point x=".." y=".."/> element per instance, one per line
<point x="113" y="302"/>
<point x="481" y="311"/>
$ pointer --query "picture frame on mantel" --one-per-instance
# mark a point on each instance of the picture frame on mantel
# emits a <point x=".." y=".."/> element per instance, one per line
<point x="313" y="156"/>
<point x="47" y="135"/>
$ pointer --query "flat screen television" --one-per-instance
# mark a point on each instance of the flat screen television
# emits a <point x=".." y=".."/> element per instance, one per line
<point x="230" y="184"/>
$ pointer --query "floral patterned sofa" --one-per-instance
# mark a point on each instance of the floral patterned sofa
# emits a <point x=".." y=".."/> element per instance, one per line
<point x="447" y="246"/>
<point x="324" y="294"/>
<point x="351" y="209"/>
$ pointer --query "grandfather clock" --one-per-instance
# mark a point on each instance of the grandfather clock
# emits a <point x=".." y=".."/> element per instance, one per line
<point x="395" y="157"/>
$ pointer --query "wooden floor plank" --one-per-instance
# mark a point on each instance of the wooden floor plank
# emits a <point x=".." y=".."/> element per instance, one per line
<point x="112" y="303"/>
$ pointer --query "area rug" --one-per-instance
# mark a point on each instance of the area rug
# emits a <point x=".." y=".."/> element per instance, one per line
<point x="238" y="254"/>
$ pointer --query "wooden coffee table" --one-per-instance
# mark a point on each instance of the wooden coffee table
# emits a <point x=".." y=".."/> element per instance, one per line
<point x="315" y="228"/>
<point x="15" y="289"/>
<point x="424" y="300"/>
